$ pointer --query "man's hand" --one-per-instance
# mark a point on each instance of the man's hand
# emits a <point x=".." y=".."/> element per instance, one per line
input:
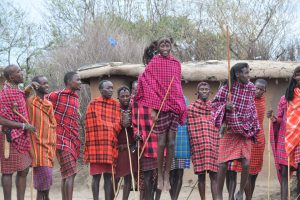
<point x="229" y="106"/>
<point x="30" y="128"/>
<point x="270" y="115"/>
<point x="138" y="137"/>
<point x="153" y="115"/>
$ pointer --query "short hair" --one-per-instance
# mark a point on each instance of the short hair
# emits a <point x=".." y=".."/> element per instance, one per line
<point x="69" y="76"/>
<point x="7" y="70"/>
<point x="101" y="83"/>
<point x="123" y="88"/>
<point x="37" y="78"/>
<point x="262" y="81"/>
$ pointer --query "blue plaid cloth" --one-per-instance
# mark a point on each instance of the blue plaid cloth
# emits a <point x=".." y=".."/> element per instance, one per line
<point x="182" y="146"/>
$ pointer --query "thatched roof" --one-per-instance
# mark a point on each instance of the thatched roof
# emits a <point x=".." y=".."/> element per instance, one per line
<point x="194" y="71"/>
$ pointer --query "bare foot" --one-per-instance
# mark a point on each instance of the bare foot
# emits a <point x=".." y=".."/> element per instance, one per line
<point x="167" y="185"/>
<point x="160" y="182"/>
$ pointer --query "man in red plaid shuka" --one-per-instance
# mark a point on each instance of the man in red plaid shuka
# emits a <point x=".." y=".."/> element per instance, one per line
<point x="102" y="127"/>
<point x="65" y="105"/>
<point x="204" y="139"/>
<point x="238" y="113"/>
<point x="152" y="88"/>
<point x="257" y="149"/>
<point x="16" y="132"/>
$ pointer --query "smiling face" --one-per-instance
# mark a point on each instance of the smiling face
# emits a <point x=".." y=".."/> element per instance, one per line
<point x="164" y="48"/>
<point x="107" y="90"/>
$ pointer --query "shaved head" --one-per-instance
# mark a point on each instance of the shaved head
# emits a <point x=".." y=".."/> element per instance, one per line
<point x="13" y="74"/>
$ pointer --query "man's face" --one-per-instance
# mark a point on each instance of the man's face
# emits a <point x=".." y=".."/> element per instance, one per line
<point x="297" y="78"/>
<point x="164" y="49"/>
<point x="133" y="90"/>
<point x="124" y="98"/>
<point x="75" y="82"/>
<point x="44" y="86"/>
<point x="203" y="92"/>
<point x="260" y="89"/>
<point x="243" y="76"/>
<point x="16" y="75"/>
<point x="107" y="90"/>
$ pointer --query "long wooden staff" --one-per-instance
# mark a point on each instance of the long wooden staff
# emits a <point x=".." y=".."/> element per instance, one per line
<point x="138" y="149"/>
<point x="228" y="62"/>
<point x="113" y="178"/>
<point x="289" y="178"/>
<point x="14" y="109"/>
<point x="6" y="146"/>
<point x="269" y="155"/>
<point x="130" y="163"/>
<point x="119" y="186"/>
<point x="153" y="125"/>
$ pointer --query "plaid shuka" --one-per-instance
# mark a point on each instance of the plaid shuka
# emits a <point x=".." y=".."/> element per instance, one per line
<point x="204" y="137"/>
<point x="257" y="149"/>
<point x="243" y="119"/>
<point x="65" y="105"/>
<point x="102" y="126"/>
<point x="20" y="139"/>
<point x="277" y="137"/>
<point x="145" y="122"/>
<point x="44" y="140"/>
<point x="182" y="144"/>
<point x="67" y="162"/>
<point x="292" y="135"/>
<point x="154" y="82"/>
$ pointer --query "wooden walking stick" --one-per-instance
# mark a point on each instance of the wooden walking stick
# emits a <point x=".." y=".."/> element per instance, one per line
<point x="14" y="109"/>
<point x="119" y="186"/>
<point x="153" y="125"/>
<point x="6" y="145"/>
<point x="113" y="178"/>
<point x="138" y="152"/>
<point x="289" y="178"/>
<point x="228" y="63"/>
<point x="269" y="156"/>
<point x="130" y="163"/>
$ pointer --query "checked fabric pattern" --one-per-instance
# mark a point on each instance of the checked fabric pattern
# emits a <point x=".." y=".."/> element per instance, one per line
<point x="65" y="105"/>
<point x="102" y="127"/>
<point x="204" y="137"/>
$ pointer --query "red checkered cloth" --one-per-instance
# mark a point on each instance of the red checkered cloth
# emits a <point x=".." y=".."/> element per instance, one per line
<point x="167" y="121"/>
<point x="16" y="162"/>
<point x="234" y="146"/>
<point x="257" y="150"/>
<point x="102" y="127"/>
<point x="42" y="178"/>
<point x="204" y="137"/>
<point x="65" y="105"/>
<point x="154" y="82"/>
<point x="144" y="124"/>
<point x="277" y="137"/>
<point x="9" y="96"/>
<point x="67" y="162"/>
<point x="148" y="163"/>
<point x="243" y="119"/>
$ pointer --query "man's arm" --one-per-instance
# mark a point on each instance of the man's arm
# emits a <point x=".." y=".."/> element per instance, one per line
<point x="10" y="124"/>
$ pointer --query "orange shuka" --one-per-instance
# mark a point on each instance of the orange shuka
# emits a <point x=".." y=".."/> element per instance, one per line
<point x="43" y="141"/>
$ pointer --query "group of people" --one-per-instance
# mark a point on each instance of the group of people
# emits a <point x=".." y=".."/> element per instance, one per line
<point x="148" y="135"/>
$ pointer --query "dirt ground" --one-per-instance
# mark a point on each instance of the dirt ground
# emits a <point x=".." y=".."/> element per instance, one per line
<point x="82" y="190"/>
